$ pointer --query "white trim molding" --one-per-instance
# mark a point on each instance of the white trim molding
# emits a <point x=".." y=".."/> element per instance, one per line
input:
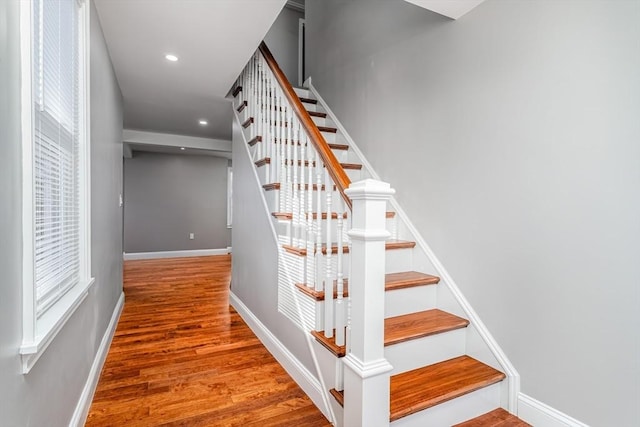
<point x="175" y="254"/>
<point x="84" y="403"/>
<point x="300" y="374"/>
<point x="541" y="415"/>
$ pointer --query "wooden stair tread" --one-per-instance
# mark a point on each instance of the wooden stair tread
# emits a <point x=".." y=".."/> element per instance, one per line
<point x="408" y="279"/>
<point x="276" y="186"/>
<point x="267" y="160"/>
<point x="431" y="385"/>
<point x="308" y="100"/>
<point x="335" y="146"/>
<point x="237" y="90"/>
<point x="338" y="395"/>
<point x="327" y="129"/>
<point x="496" y="418"/>
<point x="289" y="215"/>
<point x="330" y="343"/>
<point x="255" y="140"/>
<point x="390" y="244"/>
<point x="319" y="295"/>
<point x="317" y="114"/>
<point x="303" y="251"/>
<point x="421" y="324"/>
<point x="247" y="122"/>
<point x="314" y="215"/>
<point x="242" y="106"/>
<point x="332" y="145"/>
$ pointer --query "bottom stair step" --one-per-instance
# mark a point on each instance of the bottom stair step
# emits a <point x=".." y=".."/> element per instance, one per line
<point x="496" y="418"/>
<point x="423" y="388"/>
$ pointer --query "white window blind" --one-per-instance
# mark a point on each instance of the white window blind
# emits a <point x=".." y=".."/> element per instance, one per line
<point x="56" y="133"/>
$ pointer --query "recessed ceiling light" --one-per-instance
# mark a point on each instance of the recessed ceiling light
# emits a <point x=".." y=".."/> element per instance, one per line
<point x="203" y="122"/>
<point x="171" y="57"/>
<point x="182" y="148"/>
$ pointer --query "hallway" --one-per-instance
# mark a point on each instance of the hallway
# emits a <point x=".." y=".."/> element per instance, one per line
<point x="182" y="356"/>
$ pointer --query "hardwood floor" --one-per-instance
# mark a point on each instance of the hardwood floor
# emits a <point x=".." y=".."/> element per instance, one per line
<point x="181" y="356"/>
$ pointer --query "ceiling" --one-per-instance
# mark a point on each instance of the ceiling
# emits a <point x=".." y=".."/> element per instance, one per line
<point x="450" y="8"/>
<point x="213" y="40"/>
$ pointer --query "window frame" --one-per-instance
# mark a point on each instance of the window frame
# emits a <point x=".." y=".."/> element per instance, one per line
<point x="39" y="331"/>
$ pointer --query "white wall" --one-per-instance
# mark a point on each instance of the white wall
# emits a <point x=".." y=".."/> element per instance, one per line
<point x="49" y="393"/>
<point x="512" y="137"/>
<point x="282" y="40"/>
<point x="168" y="196"/>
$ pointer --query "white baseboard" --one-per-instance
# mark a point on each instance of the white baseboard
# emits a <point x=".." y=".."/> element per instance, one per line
<point x="301" y="375"/>
<point x="82" y="408"/>
<point x="539" y="414"/>
<point x="175" y="254"/>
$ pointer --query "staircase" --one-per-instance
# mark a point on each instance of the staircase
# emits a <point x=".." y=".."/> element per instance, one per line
<point x="436" y="366"/>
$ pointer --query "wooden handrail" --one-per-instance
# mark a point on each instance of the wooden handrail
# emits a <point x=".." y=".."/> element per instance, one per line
<point x="337" y="173"/>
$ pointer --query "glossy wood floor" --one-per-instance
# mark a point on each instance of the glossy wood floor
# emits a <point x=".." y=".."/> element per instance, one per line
<point x="181" y="356"/>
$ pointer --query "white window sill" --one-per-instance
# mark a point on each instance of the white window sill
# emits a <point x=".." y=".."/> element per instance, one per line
<point x="51" y="323"/>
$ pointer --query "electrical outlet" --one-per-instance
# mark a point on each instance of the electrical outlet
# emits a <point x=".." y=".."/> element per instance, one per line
<point x="192" y="236"/>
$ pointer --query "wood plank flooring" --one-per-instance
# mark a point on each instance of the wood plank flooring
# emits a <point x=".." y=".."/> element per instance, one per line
<point x="181" y="356"/>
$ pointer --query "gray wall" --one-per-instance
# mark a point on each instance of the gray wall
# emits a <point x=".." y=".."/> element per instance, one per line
<point x="168" y="196"/>
<point x="49" y="394"/>
<point x="512" y="137"/>
<point x="282" y="40"/>
<point x="255" y="255"/>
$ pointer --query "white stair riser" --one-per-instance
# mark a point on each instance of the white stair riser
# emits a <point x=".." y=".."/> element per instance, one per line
<point x="398" y="261"/>
<point x="319" y="121"/>
<point x="397" y="302"/>
<point x="409" y="300"/>
<point x="455" y="411"/>
<point x="417" y="353"/>
<point x="330" y="137"/>
<point x="274" y="195"/>
<point x="289" y="228"/>
<point x="310" y="107"/>
<point x="301" y="92"/>
<point x="263" y="173"/>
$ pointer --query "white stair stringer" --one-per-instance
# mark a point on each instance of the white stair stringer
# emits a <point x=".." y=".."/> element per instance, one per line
<point x="478" y="343"/>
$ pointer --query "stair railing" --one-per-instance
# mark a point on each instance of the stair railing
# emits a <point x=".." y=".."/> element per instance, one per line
<point x="288" y="144"/>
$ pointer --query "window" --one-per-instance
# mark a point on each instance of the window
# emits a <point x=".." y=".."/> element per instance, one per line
<point x="55" y="168"/>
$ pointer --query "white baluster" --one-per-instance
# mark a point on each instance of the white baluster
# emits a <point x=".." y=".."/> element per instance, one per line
<point x="340" y="324"/>
<point x="283" y="155"/>
<point x="289" y="189"/>
<point x="252" y="94"/>
<point x="328" y="281"/>
<point x="295" y="222"/>
<point x="310" y="278"/>
<point x="272" y="137"/>
<point x="319" y="279"/>
<point x="302" y="190"/>
<point x="257" y="116"/>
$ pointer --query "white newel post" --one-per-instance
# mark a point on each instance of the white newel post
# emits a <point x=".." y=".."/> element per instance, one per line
<point x="366" y="373"/>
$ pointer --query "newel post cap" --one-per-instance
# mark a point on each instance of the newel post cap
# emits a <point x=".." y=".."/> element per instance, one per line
<point x="370" y="189"/>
